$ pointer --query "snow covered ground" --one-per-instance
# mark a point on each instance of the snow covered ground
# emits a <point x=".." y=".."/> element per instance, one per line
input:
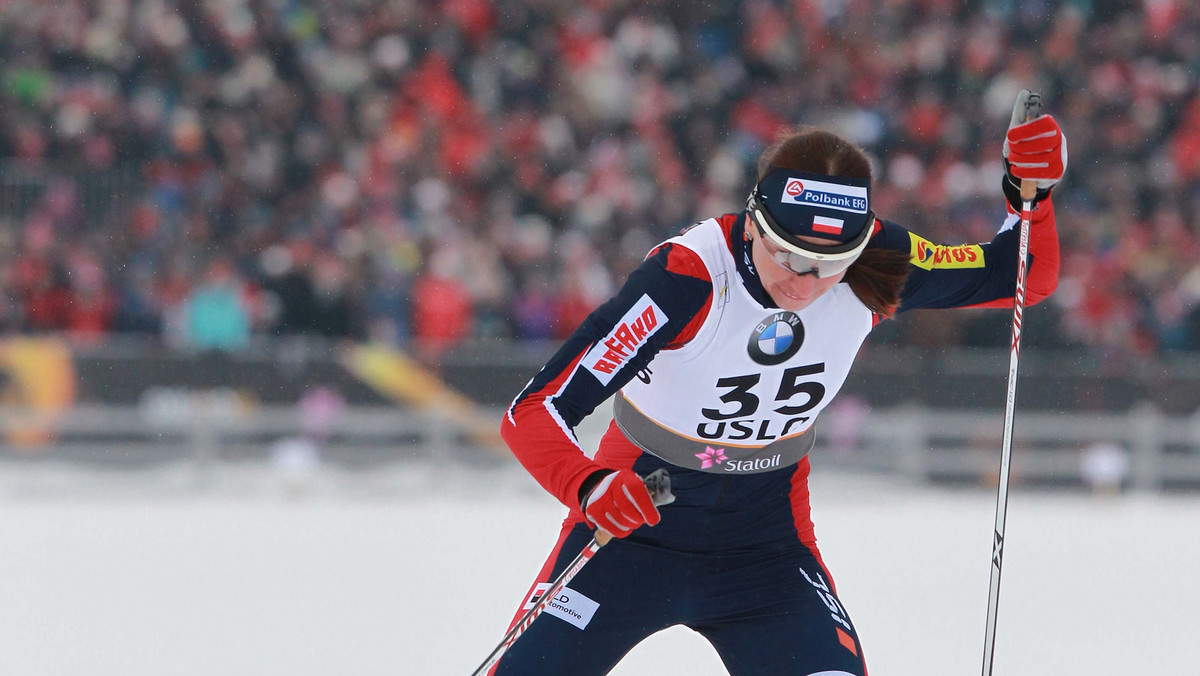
<point x="417" y="573"/>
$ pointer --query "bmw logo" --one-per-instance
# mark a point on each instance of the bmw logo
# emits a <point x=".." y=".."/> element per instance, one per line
<point x="776" y="338"/>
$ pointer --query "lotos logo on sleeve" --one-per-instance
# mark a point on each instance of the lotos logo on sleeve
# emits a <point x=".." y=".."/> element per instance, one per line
<point x="606" y="357"/>
<point x="928" y="256"/>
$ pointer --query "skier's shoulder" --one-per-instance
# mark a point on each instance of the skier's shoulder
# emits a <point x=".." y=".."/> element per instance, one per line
<point x="695" y="250"/>
<point x="711" y="240"/>
<point x="891" y="235"/>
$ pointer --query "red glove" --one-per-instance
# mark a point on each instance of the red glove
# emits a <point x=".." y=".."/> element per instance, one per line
<point x="1036" y="150"/>
<point x="620" y="503"/>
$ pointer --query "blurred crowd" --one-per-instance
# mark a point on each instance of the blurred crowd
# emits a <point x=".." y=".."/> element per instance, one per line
<point x="425" y="172"/>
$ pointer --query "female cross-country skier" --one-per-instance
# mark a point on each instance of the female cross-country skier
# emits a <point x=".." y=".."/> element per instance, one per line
<point x="721" y="350"/>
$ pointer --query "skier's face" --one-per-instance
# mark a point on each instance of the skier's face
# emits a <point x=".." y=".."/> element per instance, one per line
<point x="789" y="290"/>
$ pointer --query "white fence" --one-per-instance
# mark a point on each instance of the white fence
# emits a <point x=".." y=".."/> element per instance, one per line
<point x="1142" y="448"/>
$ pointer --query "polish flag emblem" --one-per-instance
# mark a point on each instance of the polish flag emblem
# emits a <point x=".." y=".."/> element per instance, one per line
<point x="830" y="226"/>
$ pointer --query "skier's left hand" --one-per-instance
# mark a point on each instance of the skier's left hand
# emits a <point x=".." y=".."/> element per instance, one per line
<point x="1035" y="150"/>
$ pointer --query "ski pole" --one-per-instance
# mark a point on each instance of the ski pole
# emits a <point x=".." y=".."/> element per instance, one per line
<point x="659" y="485"/>
<point x="1028" y="106"/>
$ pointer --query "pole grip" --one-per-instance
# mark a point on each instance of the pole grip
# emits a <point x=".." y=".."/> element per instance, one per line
<point x="658" y="484"/>
<point x="1029" y="106"/>
<point x="1028" y="189"/>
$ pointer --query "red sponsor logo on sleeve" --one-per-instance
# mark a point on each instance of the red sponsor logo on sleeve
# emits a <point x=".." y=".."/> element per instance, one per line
<point x="927" y="255"/>
<point x="608" y="355"/>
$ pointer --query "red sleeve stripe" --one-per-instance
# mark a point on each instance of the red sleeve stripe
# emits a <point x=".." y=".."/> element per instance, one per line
<point x="687" y="263"/>
<point x="557" y="386"/>
<point x="1042" y="275"/>
<point x="693" y="327"/>
<point x="548" y="404"/>
<point x="683" y="261"/>
<point x="544" y="445"/>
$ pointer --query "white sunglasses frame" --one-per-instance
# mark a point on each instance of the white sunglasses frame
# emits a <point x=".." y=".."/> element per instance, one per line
<point x="802" y="261"/>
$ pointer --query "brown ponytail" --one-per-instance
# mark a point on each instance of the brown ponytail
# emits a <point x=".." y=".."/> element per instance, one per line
<point x="878" y="275"/>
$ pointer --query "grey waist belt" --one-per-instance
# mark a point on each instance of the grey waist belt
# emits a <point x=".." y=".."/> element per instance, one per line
<point x="709" y="456"/>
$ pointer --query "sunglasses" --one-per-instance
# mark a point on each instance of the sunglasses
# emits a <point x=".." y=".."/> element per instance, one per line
<point x="822" y="260"/>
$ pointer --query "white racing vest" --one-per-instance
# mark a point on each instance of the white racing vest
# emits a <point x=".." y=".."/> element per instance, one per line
<point x="739" y="397"/>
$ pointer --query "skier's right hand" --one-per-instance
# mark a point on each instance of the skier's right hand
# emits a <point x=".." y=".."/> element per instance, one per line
<point x="620" y="503"/>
